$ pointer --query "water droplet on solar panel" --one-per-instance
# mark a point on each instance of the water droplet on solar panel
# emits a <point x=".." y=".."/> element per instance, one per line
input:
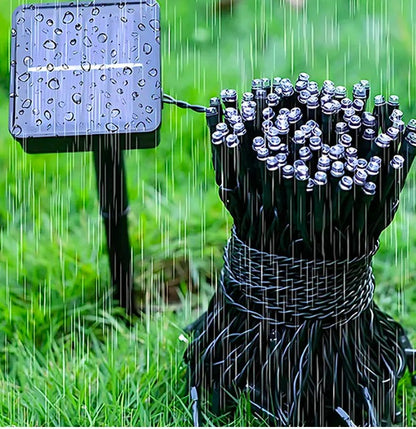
<point x="38" y="122"/>
<point x="58" y="31"/>
<point x="111" y="127"/>
<point x="141" y="126"/>
<point x="120" y="91"/>
<point x="48" y="115"/>
<point x="103" y="77"/>
<point x="86" y="66"/>
<point x="78" y="26"/>
<point x="113" y="81"/>
<point x="54" y="84"/>
<point x="68" y="17"/>
<point x="73" y="42"/>
<point x="69" y="116"/>
<point x="149" y="109"/>
<point x="89" y="107"/>
<point x="13" y="32"/>
<point x="36" y="112"/>
<point x="141" y="26"/>
<point x="50" y="101"/>
<point x="49" y="22"/>
<point x="142" y="83"/>
<point x="17" y="130"/>
<point x="95" y="11"/>
<point x="27" y="103"/>
<point x="50" y="44"/>
<point x="121" y="5"/>
<point x="155" y="24"/>
<point x="50" y="67"/>
<point x="153" y="72"/>
<point x="21" y="112"/>
<point x="123" y="19"/>
<point x="13" y="63"/>
<point x="76" y="98"/>
<point x="87" y="41"/>
<point x="61" y="104"/>
<point x="28" y="61"/>
<point x="127" y="71"/>
<point x="113" y="53"/>
<point x="24" y="77"/>
<point x="102" y="38"/>
<point x="39" y="17"/>
<point x="147" y="48"/>
<point x="135" y="95"/>
<point x="115" y="113"/>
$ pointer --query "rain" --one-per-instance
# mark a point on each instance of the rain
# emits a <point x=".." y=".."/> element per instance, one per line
<point x="83" y="76"/>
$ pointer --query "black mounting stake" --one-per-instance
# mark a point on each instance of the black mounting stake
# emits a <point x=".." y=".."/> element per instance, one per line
<point x="114" y="206"/>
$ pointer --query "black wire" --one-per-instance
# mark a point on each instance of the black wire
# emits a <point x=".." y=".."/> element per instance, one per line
<point x="167" y="99"/>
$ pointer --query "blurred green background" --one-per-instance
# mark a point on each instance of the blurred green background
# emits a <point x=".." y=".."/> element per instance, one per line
<point x="67" y="354"/>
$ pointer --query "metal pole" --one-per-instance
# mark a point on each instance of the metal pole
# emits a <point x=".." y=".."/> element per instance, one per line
<point x="111" y="184"/>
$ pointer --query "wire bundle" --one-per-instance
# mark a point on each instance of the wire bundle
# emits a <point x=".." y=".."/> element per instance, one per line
<point x="312" y="176"/>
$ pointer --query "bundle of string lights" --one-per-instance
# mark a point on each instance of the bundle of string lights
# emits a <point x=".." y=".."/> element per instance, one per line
<point x="311" y="178"/>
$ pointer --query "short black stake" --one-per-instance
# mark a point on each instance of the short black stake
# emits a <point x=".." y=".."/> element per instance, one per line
<point x="114" y="206"/>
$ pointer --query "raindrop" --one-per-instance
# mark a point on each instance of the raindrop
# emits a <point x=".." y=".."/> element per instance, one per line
<point x="13" y="63"/>
<point x="39" y="122"/>
<point x="12" y="95"/>
<point x="69" y="116"/>
<point x="89" y="107"/>
<point x="50" y="44"/>
<point x="123" y="19"/>
<point x="58" y="55"/>
<point x="126" y="82"/>
<point x="142" y="83"/>
<point x="87" y="41"/>
<point x="135" y="95"/>
<point x="77" y="73"/>
<point x="108" y="105"/>
<point x="50" y="101"/>
<point x="73" y="42"/>
<point x="36" y="112"/>
<point x="120" y="91"/>
<point x="50" y="67"/>
<point x="115" y="113"/>
<point x="113" y="81"/>
<point x="141" y="126"/>
<point x="141" y="26"/>
<point x="158" y="39"/>
<point x="111" y="127"/>
<point x="95" y="28"/>
<point x="149" y="109"/>
<point x="86" y="66"/>
<point x="58" y="31"/>
<point x="54" y="84"/>
<point x="76" y="98"/>
<point x="113" y="53"/>
<point x="28" y="61"/>
<point x="102" y="38"/>
<point x="21" y="20"/>
<point x="121" y="5"/>
<point x="153" y="72"/>
<point x="61" y="104"/>
<point x="103" y="77"/>
<point x="21" y="112"/>
<point x="155" y="24"/>
<point x="49" y="22"/>
<point x="27" y="103"/>
<point x="17" y="130"/>
<point x="147" y="48"/>
<point x="78" y="27"/>
<point x="13" y="32"/>
<point x="95" y="11"/>
<point x="39" y="17"/>
<point x="24" y="77"/>
<point x="48" y="115"/>
<point x="68" y="17"/>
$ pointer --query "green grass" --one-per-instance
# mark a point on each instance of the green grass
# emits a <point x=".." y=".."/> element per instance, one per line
<point x="67" y="355"/>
